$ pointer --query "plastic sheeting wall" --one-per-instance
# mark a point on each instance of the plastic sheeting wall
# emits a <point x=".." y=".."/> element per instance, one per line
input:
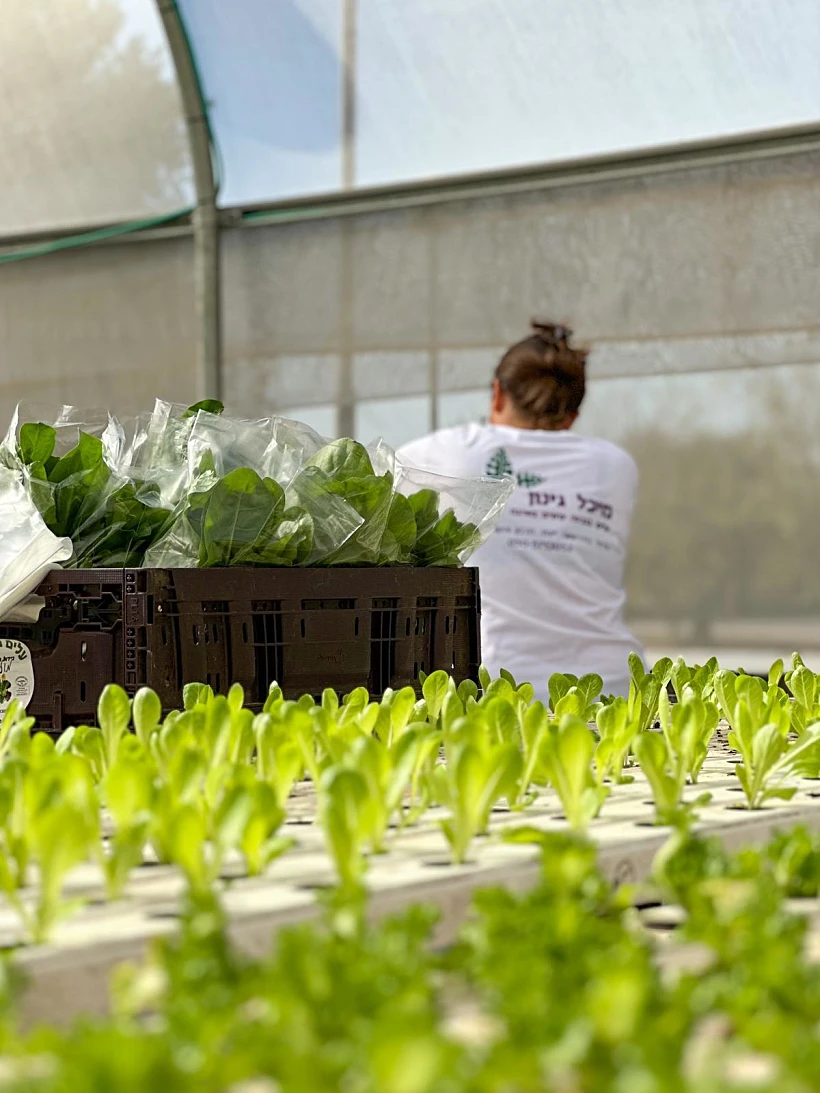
<point x="110" y="326"/>
<point x="698" y="290"/>
<point x="443" y="87"/>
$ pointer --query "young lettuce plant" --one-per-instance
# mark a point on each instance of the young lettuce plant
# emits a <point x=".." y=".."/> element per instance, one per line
<point x="767" y="705"/>
<point x="567" y="758"/>
<point x="668" y="761"/>
<point x="61" y="818"/>
<point x="476" y="775"/>
<point x="618" y="725"/>
<point x="343" y="814"/>
<point x="576" y="697"/>
<point x="388" y="773"/>
<point x="805" y="709"/>
<point x="766" y="755"/>
<point x="260" y="841"/>
<point x="425" y="743"/>
<point x="698" y="678"/>
<point x="15" y="723"/>
<point x="688" y="728"/>
<point x="280" y="761"/>
<point x="518" y="696"/>
<point x="128" y="791"/>
<point x="113" y="717"/>
<point x="652" y="753"/>
<point x="645" y="687"/>
<point x="535" y="733"/>
<point x="399" y="707"/>
<point x="99" y="746"/>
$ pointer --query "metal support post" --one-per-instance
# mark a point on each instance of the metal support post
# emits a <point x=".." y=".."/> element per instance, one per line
<point x="207" y="263"/>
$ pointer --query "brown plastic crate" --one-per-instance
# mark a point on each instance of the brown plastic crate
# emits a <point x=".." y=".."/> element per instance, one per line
<point x="305" y="628"/>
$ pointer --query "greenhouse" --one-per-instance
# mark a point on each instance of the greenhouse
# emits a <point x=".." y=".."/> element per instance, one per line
<point x="295" y="793"/>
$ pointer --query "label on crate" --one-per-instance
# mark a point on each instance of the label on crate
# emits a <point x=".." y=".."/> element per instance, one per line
<point x="16" y="674"/>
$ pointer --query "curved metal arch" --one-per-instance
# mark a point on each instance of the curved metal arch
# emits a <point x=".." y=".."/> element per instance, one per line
<point x="207" y="264"/>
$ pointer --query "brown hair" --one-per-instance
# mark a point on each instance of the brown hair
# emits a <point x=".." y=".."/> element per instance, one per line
<point x="543" y="375"/>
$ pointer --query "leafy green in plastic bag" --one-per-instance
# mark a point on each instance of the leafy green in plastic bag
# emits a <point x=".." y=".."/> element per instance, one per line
<point x="441" y="540"/>
<point x="78" y="495"/>
<point x="242" y="520"/>
<point x="349" y="474"/>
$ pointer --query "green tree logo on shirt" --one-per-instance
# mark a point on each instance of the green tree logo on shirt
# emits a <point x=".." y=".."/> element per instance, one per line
<point x="499" y="466"/>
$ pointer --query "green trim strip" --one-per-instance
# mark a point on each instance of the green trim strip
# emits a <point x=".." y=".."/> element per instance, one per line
<point x="84" y="239"/>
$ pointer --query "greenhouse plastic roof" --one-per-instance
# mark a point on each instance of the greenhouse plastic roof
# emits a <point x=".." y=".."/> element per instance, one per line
<point x="93" y="130"/>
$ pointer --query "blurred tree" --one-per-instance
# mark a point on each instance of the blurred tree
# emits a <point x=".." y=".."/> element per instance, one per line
<point x="90" y="118"/>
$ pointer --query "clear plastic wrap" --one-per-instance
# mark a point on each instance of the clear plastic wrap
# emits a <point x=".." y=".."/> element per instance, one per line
<point x="28" y="550"/>
<point x="251" y="500"/>
<point x="452" y="517"/>
<point x="274" y="447"/>
<point x="158" y="449"/>
<point x="72" y="466"/>
<point x="364" y="479"/>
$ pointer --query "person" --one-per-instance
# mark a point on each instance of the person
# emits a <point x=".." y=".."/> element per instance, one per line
<point x="551" y="574"/>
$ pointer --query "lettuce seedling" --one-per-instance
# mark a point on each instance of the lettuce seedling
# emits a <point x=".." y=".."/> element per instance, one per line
<point x="388" y="773"/>
<point x="698" y="678"/>
<point x="688" y="728"/>
<point x="146" y="712"/>
<point x="646" y="687"/>
<point x="435" y="689"/>
<point x="61" y="830"/>
<point x="477" y="773"/>
<point x="260" y="841"/>
<point x="805" y="709"/>
<point x="279" y="750"/>
<point x="534" y="739"/>
<point x="567" y="758"/>
<point x="618" y="725"/>
<point x="129" y="794"/>
<point x="343" y="813"/>
<point x="665" y="779"/>
<point x="766" y="754"/>
<point x="15" y="723"/>
<point x="114" y="717"/>
<point x="575" y="697"/>
<point x="765" y="705"/>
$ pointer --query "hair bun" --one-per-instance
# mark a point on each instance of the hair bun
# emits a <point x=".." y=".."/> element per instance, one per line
<point x="554" y="333"/>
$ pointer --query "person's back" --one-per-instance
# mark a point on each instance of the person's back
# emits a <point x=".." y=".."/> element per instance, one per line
<point x="551" y="574"/>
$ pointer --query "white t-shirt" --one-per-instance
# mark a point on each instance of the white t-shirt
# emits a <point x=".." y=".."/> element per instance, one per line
<point x="551" y="575"/>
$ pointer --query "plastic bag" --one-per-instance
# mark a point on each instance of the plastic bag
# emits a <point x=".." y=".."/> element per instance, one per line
<point x="274" y="447"/>
<point x="28" y="550"/>
<point x="251" y="501"/>
<point x="73" y="472"/>
<point x="451" y="517"/>
<point x="158" y="450"/>
<point x="364" y="478"/>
